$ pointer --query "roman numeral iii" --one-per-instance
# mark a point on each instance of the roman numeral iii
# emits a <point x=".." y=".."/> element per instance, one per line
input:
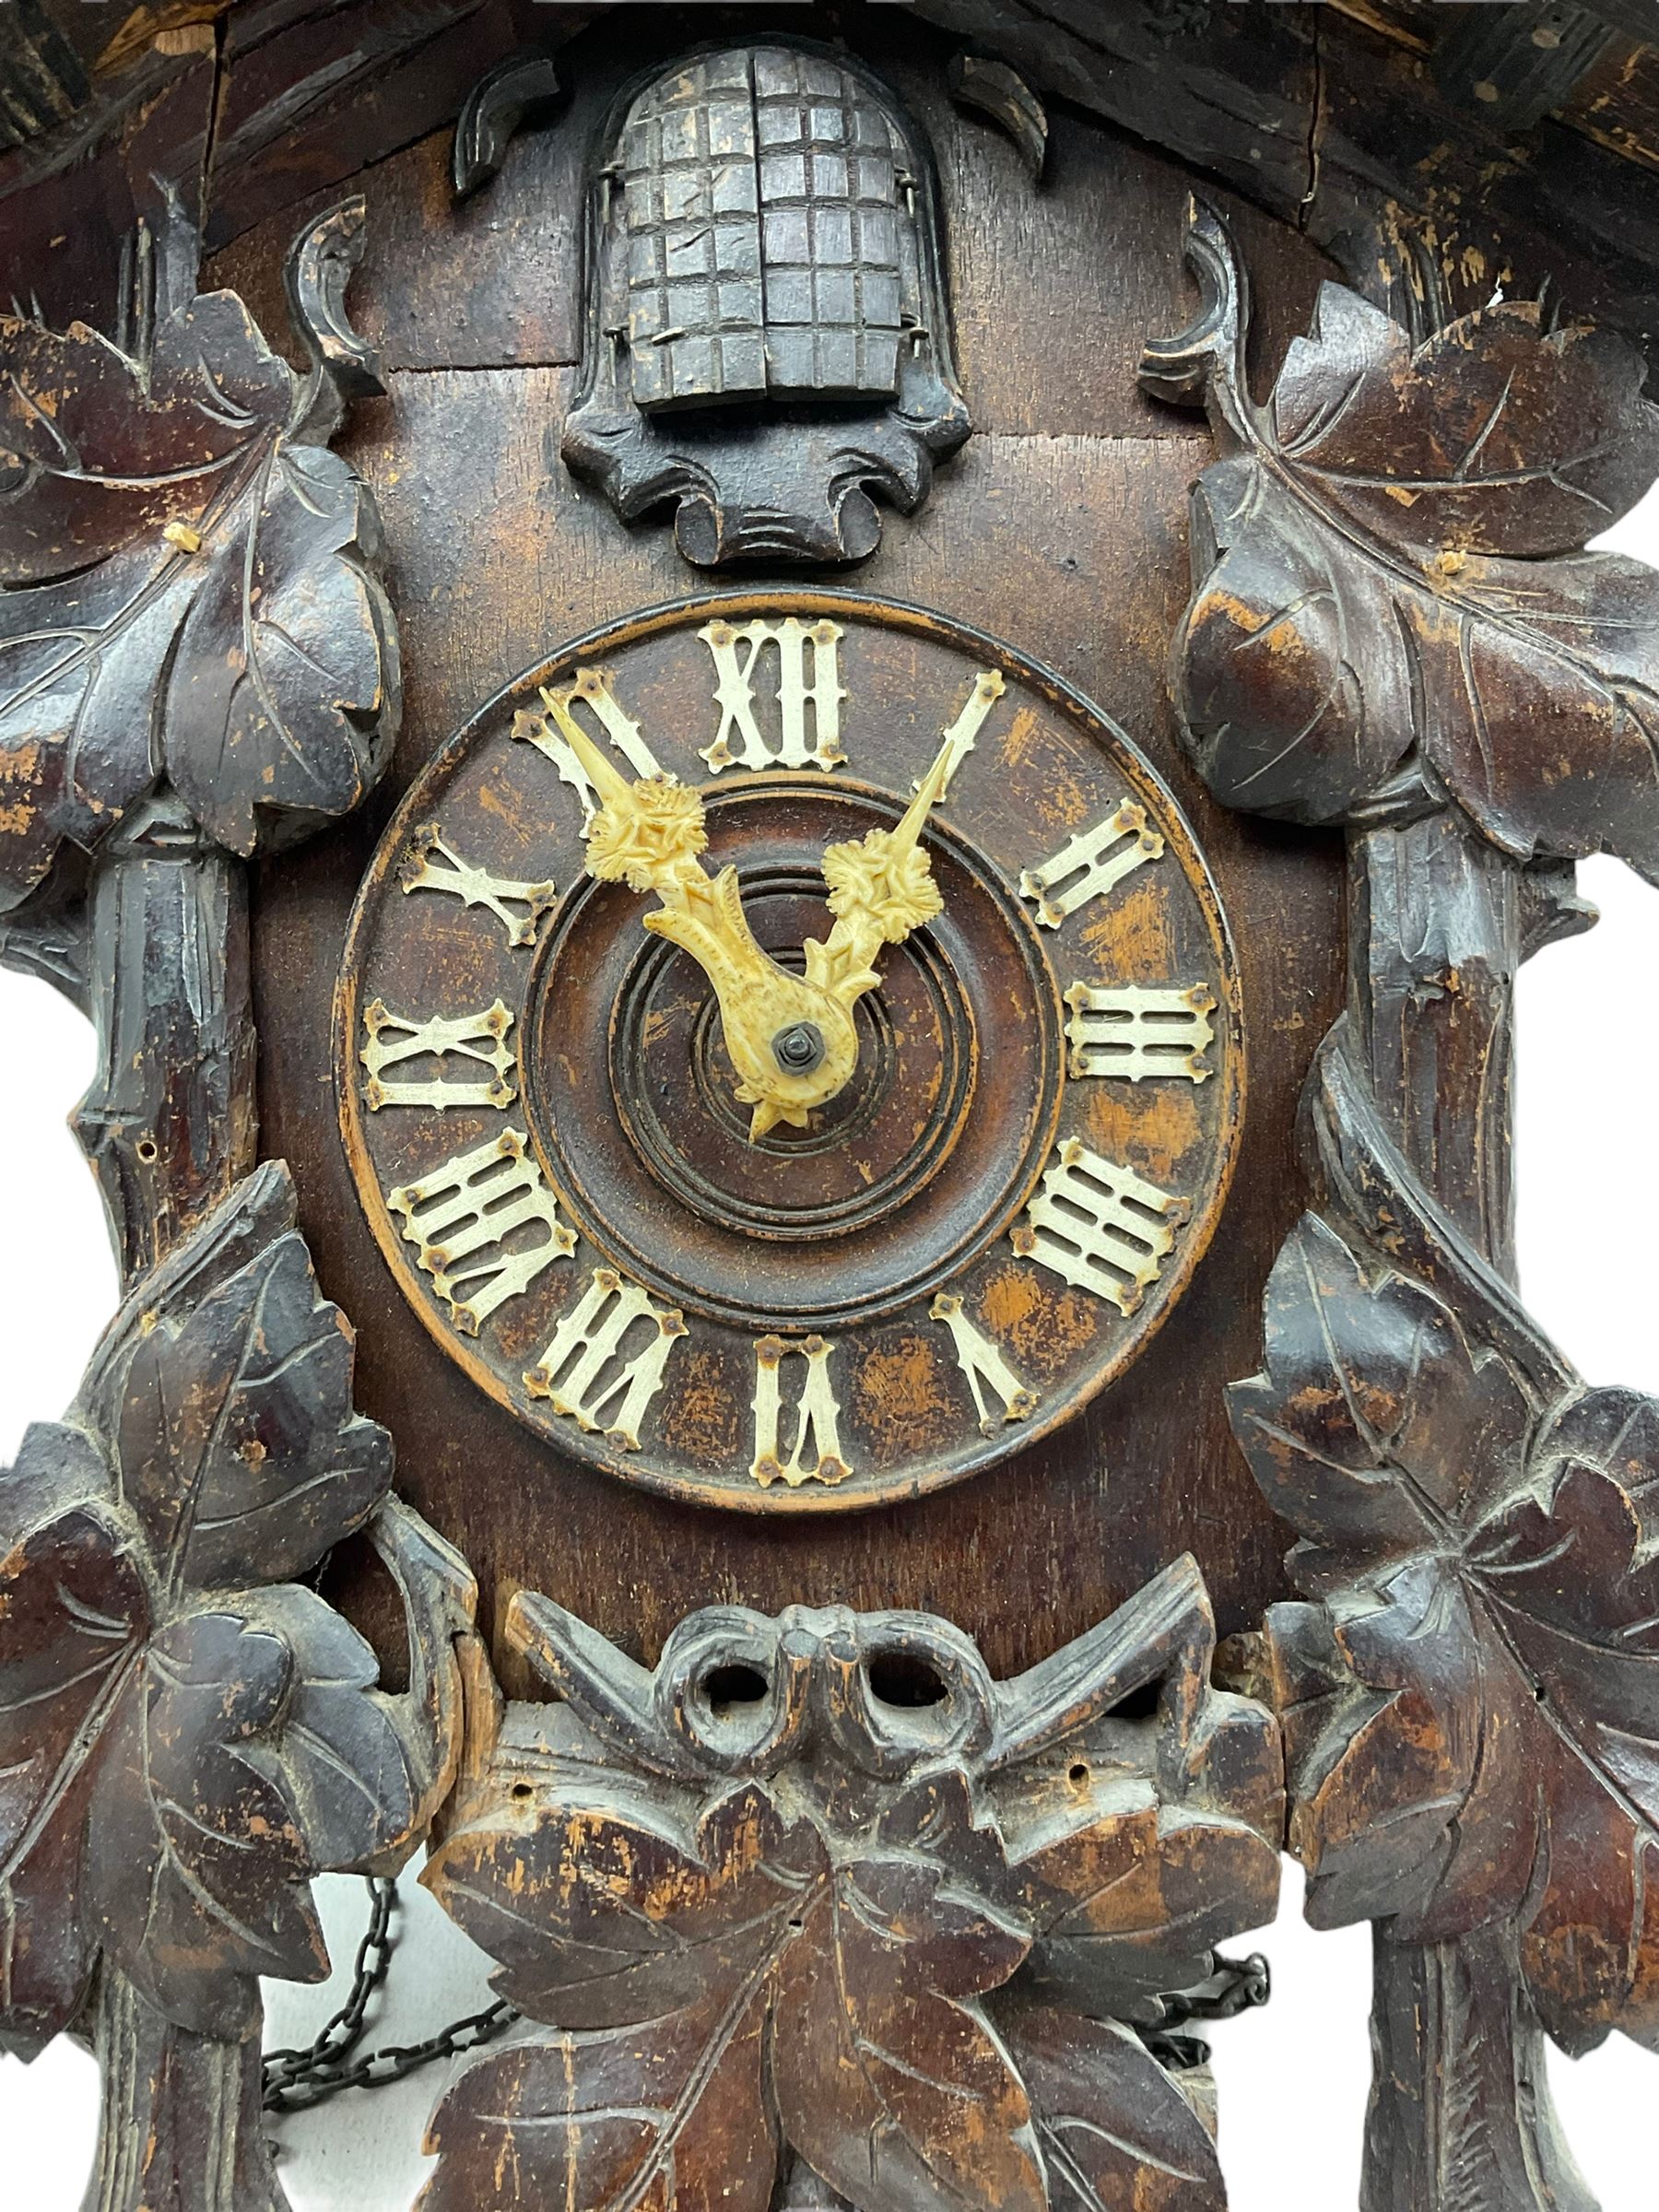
<point x="1137" y="1031"/>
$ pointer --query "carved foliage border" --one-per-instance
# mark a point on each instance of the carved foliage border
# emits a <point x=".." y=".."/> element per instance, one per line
<point x="1395" y="626"/>
<point x="196" y="661"/>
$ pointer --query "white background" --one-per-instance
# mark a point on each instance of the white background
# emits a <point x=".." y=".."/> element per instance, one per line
<point x="1292" y="2079"/>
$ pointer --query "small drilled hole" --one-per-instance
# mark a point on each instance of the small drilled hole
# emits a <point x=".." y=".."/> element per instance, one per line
<point x="898" y="1679"/>
<point x="1079" y="1774"/>
<point x="147" y="1150"/>
<point x="522" y="1789"/>
<point x="736" y="1684"/>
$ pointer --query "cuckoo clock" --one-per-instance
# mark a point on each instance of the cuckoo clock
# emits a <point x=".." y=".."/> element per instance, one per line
<point x="796" y="760"/>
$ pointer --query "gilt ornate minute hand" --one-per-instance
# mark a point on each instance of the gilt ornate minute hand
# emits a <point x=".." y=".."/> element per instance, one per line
<point x="791" y="1037"/>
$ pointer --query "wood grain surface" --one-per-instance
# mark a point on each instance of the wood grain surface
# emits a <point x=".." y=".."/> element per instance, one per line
<point x="1067" y="541"/>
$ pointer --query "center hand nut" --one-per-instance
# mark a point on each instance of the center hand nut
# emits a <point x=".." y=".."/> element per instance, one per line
<point x="798" y="1049"/>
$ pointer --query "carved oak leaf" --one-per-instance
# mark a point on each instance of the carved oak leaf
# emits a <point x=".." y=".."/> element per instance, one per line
<point x="672" y="1966"/>
<point x="792" y="1925"/>
<point x="186" y="581"/>
<point x="1472" y="1707"/>
<point x="186" y="1736"/>
<point x="1388" y="567"/>
<point x="1114" y="2137"/>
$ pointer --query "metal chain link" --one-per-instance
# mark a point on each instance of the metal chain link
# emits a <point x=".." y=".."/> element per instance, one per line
<point x="1234" y="1985"/>
<point x="298" y="2079"/>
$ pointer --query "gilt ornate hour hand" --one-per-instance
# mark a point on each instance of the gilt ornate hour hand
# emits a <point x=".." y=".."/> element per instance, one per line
<point x="791" y="1037"/>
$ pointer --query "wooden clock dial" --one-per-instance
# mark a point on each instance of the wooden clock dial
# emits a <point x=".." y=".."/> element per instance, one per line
<point x="577" y="1188"/>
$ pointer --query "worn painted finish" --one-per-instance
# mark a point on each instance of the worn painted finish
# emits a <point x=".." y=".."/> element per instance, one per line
<point x="818" y="1902"/>
<point x="912" y="1181"/>
<point x="1468" y="1691"/>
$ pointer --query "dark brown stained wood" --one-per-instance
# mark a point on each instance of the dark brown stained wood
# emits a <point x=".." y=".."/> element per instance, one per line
<point x="1072" y="548"/>
<point x="192" y="1733"/>
<point x="493" y="282"/>
<point x="485" y="283"/>
<point x="114" y="162"/>
<point x="194" y="659"/>
<point x="818" y="1900"/>
<point x="309" y="96"/>
<point x="194" y="652"/>
<point x="1342" y="132"/>
<point x="1468" y="1691"/>
<point x="1618" y="103"/>
<point x="1513" y="73"/>
<point x="1393" y="633"/>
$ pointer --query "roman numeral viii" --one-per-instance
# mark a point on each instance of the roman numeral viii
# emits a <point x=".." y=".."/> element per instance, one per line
<point x="584" y="1372"/>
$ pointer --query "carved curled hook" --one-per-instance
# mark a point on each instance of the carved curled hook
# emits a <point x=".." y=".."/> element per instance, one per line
<point x="492" y="112"/>
<point x="343" y="365"/>
<point x="1204" y="363"/>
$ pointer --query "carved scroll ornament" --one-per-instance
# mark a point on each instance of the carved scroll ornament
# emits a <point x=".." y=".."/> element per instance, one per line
<point x="818" y="1897"/>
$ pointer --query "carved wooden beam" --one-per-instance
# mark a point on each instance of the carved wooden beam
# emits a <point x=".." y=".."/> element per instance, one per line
<point x="1426" y="203"/>
<point x="817" y="1903"/>
<point x="1394" y="625"/>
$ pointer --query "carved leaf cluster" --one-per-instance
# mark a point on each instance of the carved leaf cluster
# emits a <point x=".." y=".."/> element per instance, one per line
<point x="186" y="1734"/>
<point x="882" y="1979"/>
<point x="1389" y="566"/>
<point x="185" y="590"/>
<point x="1471" y="1703"/>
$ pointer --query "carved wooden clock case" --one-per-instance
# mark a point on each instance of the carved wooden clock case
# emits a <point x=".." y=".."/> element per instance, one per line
<point x="864" y="769"/>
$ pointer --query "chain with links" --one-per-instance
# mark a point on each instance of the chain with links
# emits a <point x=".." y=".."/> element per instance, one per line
<point x="298" y="2079"/>
<point x="295" y="2079"/>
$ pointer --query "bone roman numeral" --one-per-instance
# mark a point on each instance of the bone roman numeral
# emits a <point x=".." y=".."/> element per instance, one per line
<point x="1099" y="1226"/>
<point x="964" y="730"/>
<point x="1090" y="863"/>
<point x="816" y="1453"/>
<point x="583" y="1373"/>
<point x="431" y="865"/>
<point x="1137" y="1031"/>
<point x="393" y="1040"/>
<point x="549" y="732"/>
<point x="738" y="648"/>
<point x="983" y="1366"/>
<point x="460" y="1216"/>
